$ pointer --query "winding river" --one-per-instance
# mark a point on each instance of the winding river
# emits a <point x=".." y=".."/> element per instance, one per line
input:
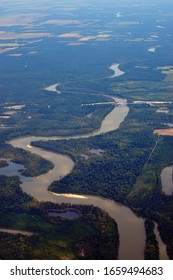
<point x="131" y="227"/>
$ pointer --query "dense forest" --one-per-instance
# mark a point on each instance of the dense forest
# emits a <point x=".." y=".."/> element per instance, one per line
<point x="55" y="238"/>
<point x="73" y="47"/>
<point x="132" y="178"/>
<point x="152" y="248"/>
<point x="33" y="165"/>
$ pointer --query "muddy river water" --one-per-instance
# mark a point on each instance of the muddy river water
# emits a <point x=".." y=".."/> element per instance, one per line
<point x="130" y="226"/>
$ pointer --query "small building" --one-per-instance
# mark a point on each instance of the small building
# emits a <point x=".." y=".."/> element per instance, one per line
<point x="163" y="110"/>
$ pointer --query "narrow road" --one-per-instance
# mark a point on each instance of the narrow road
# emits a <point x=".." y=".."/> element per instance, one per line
<point x="157" y="141"/>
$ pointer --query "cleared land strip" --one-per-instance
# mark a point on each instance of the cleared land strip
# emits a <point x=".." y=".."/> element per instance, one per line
<point x="14" y="231"/>
<point x="153" y="149"/>
<point x="164" y="132"/>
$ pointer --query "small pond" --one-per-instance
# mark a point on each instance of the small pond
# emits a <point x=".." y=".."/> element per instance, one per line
<point x="167" y="180"/>
<point x="68" y="214"/>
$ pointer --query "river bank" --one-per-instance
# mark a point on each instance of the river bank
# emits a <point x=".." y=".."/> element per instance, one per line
<point x="131" y="227"/>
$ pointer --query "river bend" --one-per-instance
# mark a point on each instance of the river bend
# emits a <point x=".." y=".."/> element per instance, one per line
<point x="130" y="226"/>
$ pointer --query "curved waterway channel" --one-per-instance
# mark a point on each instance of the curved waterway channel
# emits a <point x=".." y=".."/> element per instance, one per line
<point x="130" y="226"/>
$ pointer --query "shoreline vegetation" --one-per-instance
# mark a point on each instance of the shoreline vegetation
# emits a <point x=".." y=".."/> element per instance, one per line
<point x="132" y="195"/>
<point x="131" y="132"/>
<point x="77" y="52"/>
<point x="151" y="249"/>
<point x="34" y="165"/>
<point x="51" y="240"/>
